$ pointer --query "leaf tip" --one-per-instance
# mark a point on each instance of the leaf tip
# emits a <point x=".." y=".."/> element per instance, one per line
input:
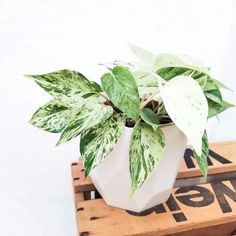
<point x="132" y="193"/>
<point x="59" y="142"/>
<point x="87" y="170"/>
<point x="30" y="121"/>
<point x="205" y="174"/>
<point x="27" y="76"/>
<point x="86" y="173"/>
<point x="132" y="47"/>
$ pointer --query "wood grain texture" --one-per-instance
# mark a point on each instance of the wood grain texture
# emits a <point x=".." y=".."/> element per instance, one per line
<point x="193" y="210"/>
<point x="224" y="149"/>
<point x="227" y="150"/>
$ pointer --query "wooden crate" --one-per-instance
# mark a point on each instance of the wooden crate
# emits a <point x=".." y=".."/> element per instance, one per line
<point x="195" y="207"/>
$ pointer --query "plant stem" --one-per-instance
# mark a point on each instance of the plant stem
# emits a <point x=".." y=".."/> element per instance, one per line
<point x="142" y="105"/>
<point x="192" y="73"/>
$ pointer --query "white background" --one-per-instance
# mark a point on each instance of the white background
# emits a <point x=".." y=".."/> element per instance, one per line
<point x="42" y="36"/>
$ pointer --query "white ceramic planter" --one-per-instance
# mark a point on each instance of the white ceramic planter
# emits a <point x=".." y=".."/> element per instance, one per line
<point x="112" y="178"/>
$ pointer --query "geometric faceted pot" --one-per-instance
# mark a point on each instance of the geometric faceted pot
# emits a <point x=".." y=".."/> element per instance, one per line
<point x="112" y="178"/>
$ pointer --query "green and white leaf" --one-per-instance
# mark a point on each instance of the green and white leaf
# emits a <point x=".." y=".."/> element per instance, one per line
<point x="121" y="88"/>
<point x="216" y="108"/>
<point x="202" y="81"/>
<point x="144" y="56"/>
<point x="146" y="83"/>
<point x="207" y="84"/>
<point x="89" y="116"/>
<point x="67" y="86"/>
<point x="202" y="159"/>
<point x="210" y="85"/>
<point x="221" y="85"/>
<point x="150" y="117"/>
<point x="53" y="117"/>
<point x="146" y="152"/>
<point x="214" y="95"/>
<point x="166" y="60"/>
<point x="187" y="107"/>
<point x="168" y="73"/>
<point x="98" y="142"/>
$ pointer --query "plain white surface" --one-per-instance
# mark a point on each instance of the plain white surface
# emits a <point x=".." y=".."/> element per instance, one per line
<point x="42" y="36"/>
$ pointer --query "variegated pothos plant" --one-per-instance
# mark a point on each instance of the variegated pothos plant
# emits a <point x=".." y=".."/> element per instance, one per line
<point x="160" y="90"/>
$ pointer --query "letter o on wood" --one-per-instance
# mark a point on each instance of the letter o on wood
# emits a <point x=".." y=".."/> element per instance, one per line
<point x="188" y="199"/>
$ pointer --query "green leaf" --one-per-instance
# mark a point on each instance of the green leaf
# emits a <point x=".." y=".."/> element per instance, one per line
<point x="187" y="107"/>
<point x="202" y="81"/>
<point x="121" y="88"/>
<point x="202" y="159"/>
<point x="170" y="72"/>
<point x="214" y="95"/>
<point x="67" y="86"/>
<point x="150" y="117"/>
<point x="98" y="142"/>
<point x="146" y="82"/>
<point x="146" y="151"/>
<point x="53" y="117"/>
<point x="89" y="116"/>
<point x="216" y="108"/>
<point x="210" y="85"/>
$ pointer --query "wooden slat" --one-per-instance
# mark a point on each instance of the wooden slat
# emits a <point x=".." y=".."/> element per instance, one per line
<point x="193" y="209"/>
<point x="226" y="150"/>
<point x="80" y="183"/>
<point x="215" y="230"/>
<point x="196" y="209"/>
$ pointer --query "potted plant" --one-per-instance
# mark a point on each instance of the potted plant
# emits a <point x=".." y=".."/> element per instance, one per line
<point x="134" y="127"/>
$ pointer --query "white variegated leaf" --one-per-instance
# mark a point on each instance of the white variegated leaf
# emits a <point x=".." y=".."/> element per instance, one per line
<point x="150" y="117"/>
<point x="202" y="81"/>
<point x="89" y="116"/>
<point x="144" y="56"/>
<point x="53" y="117"/>
<point x="121" y="88"/>
<point x="210" y="85"/>
<point x="146" y="151"/>
<point x="202" y="159"/>
<point x="221" y="85"/>
<point x="146" y="83"/>
<point x="187" y="106"/>
<point x="67" y="86"/>
<point x="216" y="108"/>
<point x="98" y="142"/>
<point x="214" y="95"/>
<point x="167" y="73"/>
<point x="166" y="60"/>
